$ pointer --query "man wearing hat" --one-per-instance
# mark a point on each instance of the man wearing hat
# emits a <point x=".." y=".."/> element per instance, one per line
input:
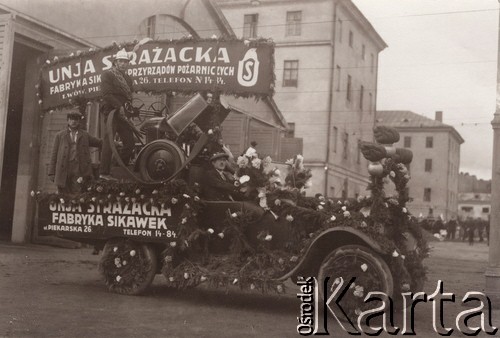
<point x="70" y="165"/>
<point x="116" y="91"/>
<point x="220" y="184"/>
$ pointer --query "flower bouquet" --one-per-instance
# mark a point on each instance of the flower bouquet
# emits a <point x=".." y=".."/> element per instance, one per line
<point x="298" y="176"/>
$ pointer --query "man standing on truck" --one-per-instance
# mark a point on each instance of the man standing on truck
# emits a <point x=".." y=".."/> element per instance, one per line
<point x="116" y="91"/>
<point x="70" y="165"/>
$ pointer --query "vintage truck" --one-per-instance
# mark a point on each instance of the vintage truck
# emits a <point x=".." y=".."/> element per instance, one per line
<point x="158" y="222"/>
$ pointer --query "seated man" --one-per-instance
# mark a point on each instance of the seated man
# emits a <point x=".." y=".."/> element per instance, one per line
<point x="219" y="184"/>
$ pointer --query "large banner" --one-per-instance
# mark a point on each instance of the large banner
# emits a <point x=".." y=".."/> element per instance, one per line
<point x="95" y="221"/>
<point x="230" y="67"/>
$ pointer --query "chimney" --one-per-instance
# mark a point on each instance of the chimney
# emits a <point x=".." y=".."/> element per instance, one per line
<point x="439" y="116"/>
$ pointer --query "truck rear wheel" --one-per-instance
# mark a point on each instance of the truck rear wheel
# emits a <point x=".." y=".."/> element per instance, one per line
<point x="370" y="270"/>
<point x="128" y="267"/>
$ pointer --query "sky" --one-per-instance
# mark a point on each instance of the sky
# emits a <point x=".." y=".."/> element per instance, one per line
<point x="441" y="56"/>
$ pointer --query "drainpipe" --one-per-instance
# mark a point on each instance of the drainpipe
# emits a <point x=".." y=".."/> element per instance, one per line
<point x="330" y="98"/>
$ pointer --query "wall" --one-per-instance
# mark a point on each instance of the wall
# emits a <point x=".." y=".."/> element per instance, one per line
<point x="30" y="39"/>
<point x="443" y="179"/>
<point x="470" y="183"/>
<point x="308" y="104"/>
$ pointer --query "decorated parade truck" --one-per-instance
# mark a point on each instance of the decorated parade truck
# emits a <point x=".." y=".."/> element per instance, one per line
<point x="156" y="219"/>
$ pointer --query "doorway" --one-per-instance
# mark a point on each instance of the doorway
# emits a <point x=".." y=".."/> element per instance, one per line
<point x="21" y="55"/>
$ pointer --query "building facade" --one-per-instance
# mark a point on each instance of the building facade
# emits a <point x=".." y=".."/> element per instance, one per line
<point x="25" y="43"/>
<point x="326" y="81"/>
<point x="474" y="198"/>
<point x="434" y="170"/>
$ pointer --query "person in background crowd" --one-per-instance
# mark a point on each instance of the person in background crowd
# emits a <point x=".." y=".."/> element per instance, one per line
<point x="70" y="165"/>
<point x="470" y="232"/>
<point x="480" y="225"/>
<point x="220" y="185"/>
<point x="452" y="228"/>
<point x="437" y="226"/>
<point x="116" y="91"/>
<point x="488" y="230"/>
<point x="465" y="226"/>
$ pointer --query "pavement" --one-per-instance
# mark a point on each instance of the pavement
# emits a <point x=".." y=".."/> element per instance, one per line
<point x="48" y="291"/>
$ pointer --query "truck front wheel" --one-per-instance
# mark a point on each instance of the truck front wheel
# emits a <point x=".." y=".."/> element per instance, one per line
<point x="369" y="269"/>
<point x="128" y="267"/>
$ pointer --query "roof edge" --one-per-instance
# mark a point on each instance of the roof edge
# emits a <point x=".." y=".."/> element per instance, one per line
<point x="47" y="26"/>
<point x="365" y="23"/>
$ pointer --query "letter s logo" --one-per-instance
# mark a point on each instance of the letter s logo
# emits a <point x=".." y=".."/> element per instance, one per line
<point x="248" y="69"/>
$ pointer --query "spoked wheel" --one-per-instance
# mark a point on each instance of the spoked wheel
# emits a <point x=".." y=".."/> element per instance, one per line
<point x="138" y="119"/>
<point x="128" y="267"/>
<point x="370" y="270"/>
<point x="160" y="109"/>
<point x="159" y="160"/>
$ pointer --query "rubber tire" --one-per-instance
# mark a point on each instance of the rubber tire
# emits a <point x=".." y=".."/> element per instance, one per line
<point x="153" y="147"/>
<point x="373" y="260"/>
<point x="148" y="253"/>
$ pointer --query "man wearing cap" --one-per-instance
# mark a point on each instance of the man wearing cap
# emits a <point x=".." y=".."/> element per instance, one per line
<point x="220" y="184"/>
<point x="116" y="91"/>
<point x="70" y="165"/>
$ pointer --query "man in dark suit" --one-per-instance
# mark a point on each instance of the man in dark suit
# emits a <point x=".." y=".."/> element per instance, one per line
<point x="116" y="91"/>
<point x="220" y="184"/>
<point x="70" y="165"/>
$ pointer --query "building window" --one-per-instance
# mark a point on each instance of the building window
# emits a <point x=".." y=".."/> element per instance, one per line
<point x="407" y="142"/>
<point x="161" y="26"/>
<point x="363" y="51"/>
<point x="348" y="91"/>
<point x="372" y="62"/>
<point x="486" y="210"/>
<point x="345" y="145"/>
<point x="290" y="73"/>
<point x="467" y="209"/>
<point x="361" y="97"/>
<point x="340" y="30"/>
<point x="351" y="39"/>
<point x="429" y="142"/>
<point x="335" y="138"/>
<point x="151" y="26"/>
<point x="290" y="131"/>
<point x="428" y="165"/>
<point x="250" y="25"/>
<point x="338" y="77"/>
<point x="370" y="107"/>
<point x="293" y="23"/>
<point x="427" y="194"/>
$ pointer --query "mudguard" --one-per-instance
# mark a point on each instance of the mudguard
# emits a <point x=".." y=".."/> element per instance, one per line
<point x="325" y="243"/>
